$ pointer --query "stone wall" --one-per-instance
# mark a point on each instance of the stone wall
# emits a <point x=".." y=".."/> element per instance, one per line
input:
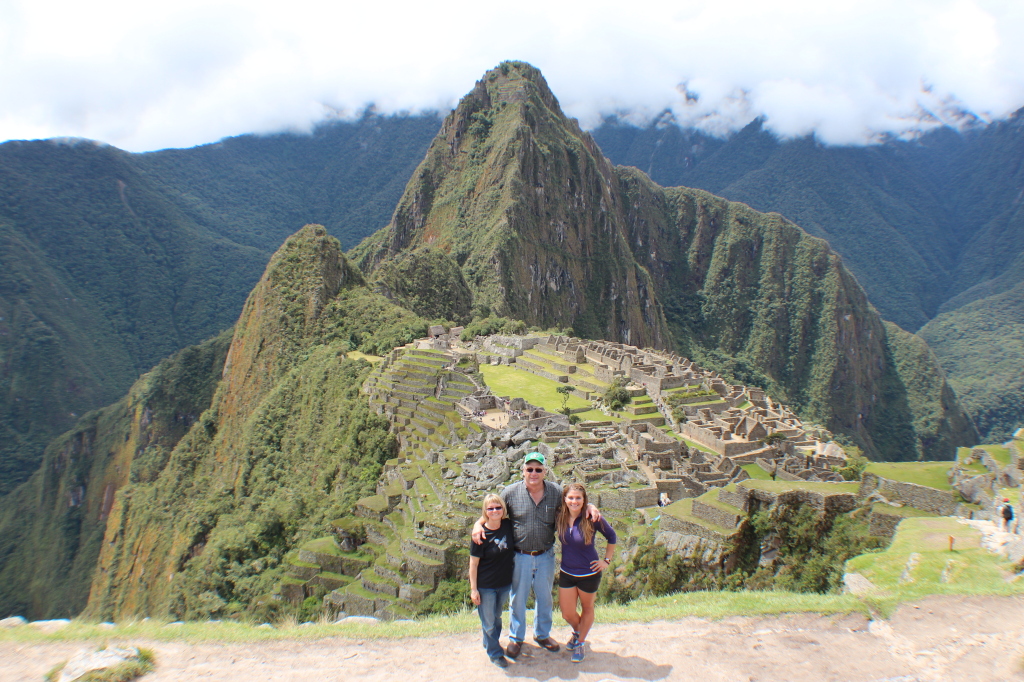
<point x="672" y="524"/>
<point x="719" y="517"/>
<point x="941" y="502"/>
<point x="722" y="447"/>
<point x="882" y="524"/>
<point x="737" y="499"/>
<point x="832" y="502"/>
<point x="628" y="499"/>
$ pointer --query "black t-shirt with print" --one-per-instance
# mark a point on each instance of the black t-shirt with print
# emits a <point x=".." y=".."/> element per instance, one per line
<point x="497" y="557"/>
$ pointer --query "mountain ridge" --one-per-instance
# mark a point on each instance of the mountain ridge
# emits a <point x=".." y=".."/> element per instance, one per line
<point x="545" y="229"/>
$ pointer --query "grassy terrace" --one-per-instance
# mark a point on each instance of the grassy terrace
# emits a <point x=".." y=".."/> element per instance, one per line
<point x="1000" y="453"/>
<point x="359" y="355"/>
<point x="905" y="512"/>
<point x="931" y="474"/>
<point x="539" y="391"/>
<point x="683" y="509"/>
<point x="756" y="472"/>
<point x="814" y="486"/>
<point x="968" y="569"/>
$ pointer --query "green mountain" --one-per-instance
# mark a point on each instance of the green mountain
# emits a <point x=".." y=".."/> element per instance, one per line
<point x="111" y="261"/>
<point x="546" y="230"/>
<point x="185" y="497"/>
<point x="927" y="227"/>
<point x="217" y="462"/>
<point x="55" y="522"/>
<point x="102" y="277"/>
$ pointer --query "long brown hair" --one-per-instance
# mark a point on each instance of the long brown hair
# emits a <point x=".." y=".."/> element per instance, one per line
<point x="563" y="519"/>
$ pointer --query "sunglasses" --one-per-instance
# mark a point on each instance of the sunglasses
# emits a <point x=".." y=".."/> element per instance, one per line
<point x="495" y="509"/>
<point x="534" y="471"/>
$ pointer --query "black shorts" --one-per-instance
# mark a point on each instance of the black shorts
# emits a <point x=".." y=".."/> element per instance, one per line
<point x="587" y="583"/>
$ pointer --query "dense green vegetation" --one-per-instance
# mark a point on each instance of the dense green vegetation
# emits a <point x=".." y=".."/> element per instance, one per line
<point x="429" y="283"/>
<point x="287" y="445"/>
<point x="258" y="189"/>
<point x="213" y="486"/>
<point x="111" y="261"/>
<point x="812" y="550"/>
<point x="931" y="229"/>
<point x="55" y="522"/>
<point x="981" y="348"/>
<point x="100" y="278"/>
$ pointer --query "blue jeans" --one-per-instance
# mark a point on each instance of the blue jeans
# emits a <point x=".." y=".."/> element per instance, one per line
<point x="537" y="572"/>
<point x="492" y="603"/>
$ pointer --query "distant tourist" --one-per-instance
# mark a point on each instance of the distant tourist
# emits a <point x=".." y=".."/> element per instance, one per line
<point x="490" y="574"/>
<point x="1007" y="513"/>
<point x="532" y="505"/>
<point x="581" y="568"/>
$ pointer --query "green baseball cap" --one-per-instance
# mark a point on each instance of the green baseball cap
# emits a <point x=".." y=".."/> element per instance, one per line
<point x="535" y="457"/>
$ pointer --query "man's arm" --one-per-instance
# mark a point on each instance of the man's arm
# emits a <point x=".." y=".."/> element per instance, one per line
<point x="478" y="531"/>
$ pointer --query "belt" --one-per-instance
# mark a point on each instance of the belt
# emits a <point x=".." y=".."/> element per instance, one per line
<point x="540" y="551"/>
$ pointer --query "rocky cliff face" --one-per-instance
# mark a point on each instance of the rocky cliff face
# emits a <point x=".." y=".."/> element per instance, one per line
<point x="526" y="204"/>
<point x="546" y="230"/>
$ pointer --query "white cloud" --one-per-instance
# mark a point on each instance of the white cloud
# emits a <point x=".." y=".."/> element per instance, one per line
<point x="147" y="75"/>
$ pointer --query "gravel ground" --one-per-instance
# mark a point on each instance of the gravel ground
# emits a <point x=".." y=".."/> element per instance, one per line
<point x="939" y="638"/>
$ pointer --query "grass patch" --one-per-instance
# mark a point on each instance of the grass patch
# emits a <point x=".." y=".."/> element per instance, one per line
<point x="1000" y="453"/>
<point x="683" y="510"/>
<point x="755" y="472"/>
<point x="536" y="390"/>
<point x="359" y="355"/>
<point x="814" y="486"/>
<point x="967" y="570"/>
<point x="905" y="512"/>
<point x="713" y="605"/>
<point x="327" y="545"/>
<point x="963" y="453"/>
<point x="931" y="474"/>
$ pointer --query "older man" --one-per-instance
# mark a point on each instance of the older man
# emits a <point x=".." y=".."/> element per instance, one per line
<point x="532" y="504"/>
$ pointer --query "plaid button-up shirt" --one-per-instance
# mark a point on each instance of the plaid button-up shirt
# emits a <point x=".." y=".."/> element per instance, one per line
<point x="533" y="524"/>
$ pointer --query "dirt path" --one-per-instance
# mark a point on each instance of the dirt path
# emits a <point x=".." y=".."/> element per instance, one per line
<point x="940" y="638"/>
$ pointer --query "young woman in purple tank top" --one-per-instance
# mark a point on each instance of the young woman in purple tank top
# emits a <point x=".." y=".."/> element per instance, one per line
<point x="581" y="568"/>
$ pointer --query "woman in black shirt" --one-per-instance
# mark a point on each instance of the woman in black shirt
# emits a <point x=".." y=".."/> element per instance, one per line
<point x="490" y="574"/>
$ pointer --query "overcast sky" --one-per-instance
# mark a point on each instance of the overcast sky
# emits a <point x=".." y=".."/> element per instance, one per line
<point x="149" y="75"/>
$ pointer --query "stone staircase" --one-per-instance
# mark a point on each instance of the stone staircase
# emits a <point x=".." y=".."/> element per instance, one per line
<point x="416" y="391"/>
<point x="415" y="536"/>
<point x="412" y="533"/>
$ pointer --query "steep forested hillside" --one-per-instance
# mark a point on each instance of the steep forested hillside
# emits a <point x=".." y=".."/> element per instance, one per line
<point x="927" y="226"/>
<point x="217" y="462"/>
<point x="258" y="189"/>
<point x="546" y="230"/>
<point x="101" y="276"/>
<point x="111" y="261"/>
<point x="286" y="445"/>
<point x="52" y="526"/>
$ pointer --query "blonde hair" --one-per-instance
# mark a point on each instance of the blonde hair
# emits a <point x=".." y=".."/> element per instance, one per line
<point x="563" y="519"/>
<point x="495" y="498"/>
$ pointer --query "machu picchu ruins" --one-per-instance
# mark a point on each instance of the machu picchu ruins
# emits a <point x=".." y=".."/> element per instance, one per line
<point x="689" y="456"/>
<point x="681" y="449"/>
